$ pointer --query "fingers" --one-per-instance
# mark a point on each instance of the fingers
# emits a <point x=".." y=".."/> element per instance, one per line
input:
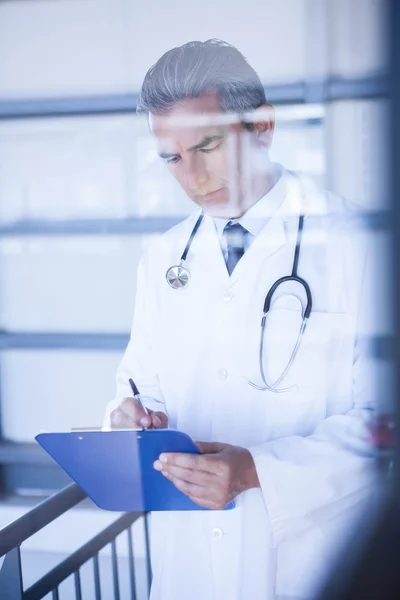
<point x="119" y="420"/>
<point x="187" y="488"/>
<point x="159" y="420"/>
<point x="200" y="478"/>
<point x="210" y="447"/>
<point x="197" y="462"/>
<point x="146" y="421"/>
<point x="129" y="414"/>
<point x="200" y="488"/>
<point x="205" y="494"/>
<point x="205" y="479"/>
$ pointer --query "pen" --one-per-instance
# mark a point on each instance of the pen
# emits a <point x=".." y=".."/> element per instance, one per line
<point x="136" y="395"/>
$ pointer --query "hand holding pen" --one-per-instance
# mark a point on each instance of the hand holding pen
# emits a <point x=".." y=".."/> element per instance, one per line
<point x="131" y="413"/>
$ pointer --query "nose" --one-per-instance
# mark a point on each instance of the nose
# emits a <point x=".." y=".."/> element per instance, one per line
<point x="196" y="176"/>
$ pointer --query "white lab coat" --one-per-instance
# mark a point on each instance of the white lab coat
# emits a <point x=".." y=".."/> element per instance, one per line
<point x="192" y="352"/>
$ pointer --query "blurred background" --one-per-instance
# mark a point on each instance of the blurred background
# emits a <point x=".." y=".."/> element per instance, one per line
<point x="82" y="192"/>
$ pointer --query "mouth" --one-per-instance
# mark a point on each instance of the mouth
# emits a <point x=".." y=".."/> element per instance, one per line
<point x="212" y="195"/>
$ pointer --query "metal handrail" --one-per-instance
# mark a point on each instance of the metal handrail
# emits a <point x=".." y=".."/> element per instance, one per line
<point x="73" y="562"/>
<point x="13" y="535"/>
<point x="19" y="531"/>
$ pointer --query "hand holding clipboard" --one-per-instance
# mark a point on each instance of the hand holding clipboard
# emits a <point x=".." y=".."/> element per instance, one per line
<point x="115" y="466"/>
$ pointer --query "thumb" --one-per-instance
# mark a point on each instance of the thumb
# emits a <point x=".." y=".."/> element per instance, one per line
<point x="210" y="447"/>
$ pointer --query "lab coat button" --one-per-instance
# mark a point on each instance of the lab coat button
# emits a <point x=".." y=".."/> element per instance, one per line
<point x="222" y="373"/>
<point x="217" y="533"/>
<point x="227" y="297"/>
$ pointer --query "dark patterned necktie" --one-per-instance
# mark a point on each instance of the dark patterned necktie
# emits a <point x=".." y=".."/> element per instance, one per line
<point x="234" y="235"/>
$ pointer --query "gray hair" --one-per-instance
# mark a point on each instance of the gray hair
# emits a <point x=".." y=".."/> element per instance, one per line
<point x="197" y="68"/>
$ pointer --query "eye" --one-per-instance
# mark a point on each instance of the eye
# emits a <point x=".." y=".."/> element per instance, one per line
<point x="173" y="160"/>
<point x="208" y="150"/>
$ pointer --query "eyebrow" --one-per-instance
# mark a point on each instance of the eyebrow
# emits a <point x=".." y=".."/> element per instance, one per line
<point x="166" y="155"/>
<point x="204" y="142"/>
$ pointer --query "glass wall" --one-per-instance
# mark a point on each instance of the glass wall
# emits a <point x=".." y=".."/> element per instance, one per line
<point x="58" y="174"/>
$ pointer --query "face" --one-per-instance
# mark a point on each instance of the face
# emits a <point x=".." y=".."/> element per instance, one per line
<point x="217" y="164"/>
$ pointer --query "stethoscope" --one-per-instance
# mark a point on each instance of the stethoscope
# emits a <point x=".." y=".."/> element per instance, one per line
<point x="178" y="277"/>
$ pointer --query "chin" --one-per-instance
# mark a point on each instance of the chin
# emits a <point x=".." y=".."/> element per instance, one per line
<point x="220" y="206"/>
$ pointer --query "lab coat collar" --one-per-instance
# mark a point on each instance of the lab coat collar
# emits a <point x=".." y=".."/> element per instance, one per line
<point x="291" y="195"/>
<point x="298" y="195"/>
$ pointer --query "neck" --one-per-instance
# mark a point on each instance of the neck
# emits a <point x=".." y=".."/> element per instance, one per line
<point x="261" y="186"/>
<point x="265" y="185"/>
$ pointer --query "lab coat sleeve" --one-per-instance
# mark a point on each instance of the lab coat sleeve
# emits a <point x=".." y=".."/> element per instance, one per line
<point x="306" y="481"/>
<point x="138" y="361"/>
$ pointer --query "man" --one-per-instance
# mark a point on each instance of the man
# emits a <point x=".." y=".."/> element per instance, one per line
<point x="293" y="457"/>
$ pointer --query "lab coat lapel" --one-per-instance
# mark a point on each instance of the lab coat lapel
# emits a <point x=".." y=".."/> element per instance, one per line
<point x="270" y="239"/>
<point x="300" y="197"/>
<point x="207" y="253"/>
<point x="273" y="236"/>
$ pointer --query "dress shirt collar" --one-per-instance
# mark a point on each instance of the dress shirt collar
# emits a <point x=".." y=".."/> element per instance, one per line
<point x="255" y="219"/>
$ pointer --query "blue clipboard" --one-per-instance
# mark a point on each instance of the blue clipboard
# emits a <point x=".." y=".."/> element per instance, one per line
<point x="115" y="468"/>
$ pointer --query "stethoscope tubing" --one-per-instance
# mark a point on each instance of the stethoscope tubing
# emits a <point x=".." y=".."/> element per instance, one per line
<point x="178" y="276"/>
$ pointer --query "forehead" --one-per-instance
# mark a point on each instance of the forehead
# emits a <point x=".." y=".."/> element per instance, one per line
<point x="188" y="122"/>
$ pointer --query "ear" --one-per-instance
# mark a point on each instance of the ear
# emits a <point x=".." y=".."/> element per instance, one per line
<point x="264" y="124"/>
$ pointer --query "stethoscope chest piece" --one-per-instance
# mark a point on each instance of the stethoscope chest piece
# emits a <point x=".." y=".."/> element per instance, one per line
<point x="177" y="277"/>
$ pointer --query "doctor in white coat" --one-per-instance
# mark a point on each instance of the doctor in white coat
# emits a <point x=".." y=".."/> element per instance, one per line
<point x="297" y="463"/>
